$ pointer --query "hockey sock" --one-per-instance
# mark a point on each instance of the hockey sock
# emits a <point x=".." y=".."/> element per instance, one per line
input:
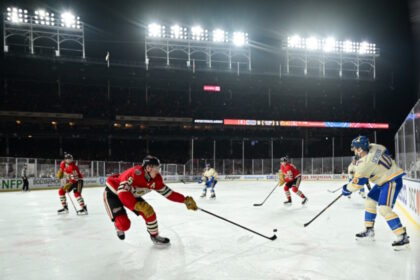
<point x="62" y="195"/>
<point x="79" y="198"/>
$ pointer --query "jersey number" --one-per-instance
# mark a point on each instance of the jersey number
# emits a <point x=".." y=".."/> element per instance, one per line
<point x="386" y="161"/>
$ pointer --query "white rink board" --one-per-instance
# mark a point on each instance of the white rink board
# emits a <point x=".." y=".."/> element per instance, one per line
<point x="36" y="243"/>
<point x="409" y="199"/>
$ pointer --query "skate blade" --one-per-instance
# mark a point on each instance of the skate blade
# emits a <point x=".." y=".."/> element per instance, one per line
<point x="366" y="240"/>
<point x="161" y="245"/>
<point x="402" y="247"/>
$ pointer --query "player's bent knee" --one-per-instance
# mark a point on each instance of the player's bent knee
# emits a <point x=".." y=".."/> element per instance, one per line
<point x="385" y="210"/>
<point x="286" y="188"/>
<point x="122" y="222"/>
<point x="76" y="194"/>
<point x="295" y="189"/>
<point x="370" y="203"/>
<point x="61" y="191"/>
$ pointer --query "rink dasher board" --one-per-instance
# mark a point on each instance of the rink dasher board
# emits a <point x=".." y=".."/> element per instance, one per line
<point x="409" y="200"/>
<point x="16" y="184"/>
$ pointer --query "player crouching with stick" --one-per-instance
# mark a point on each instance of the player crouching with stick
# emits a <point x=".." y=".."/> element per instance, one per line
<point x="126" y="190"/>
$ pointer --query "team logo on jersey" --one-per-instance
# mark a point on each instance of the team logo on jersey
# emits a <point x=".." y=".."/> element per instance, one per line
<point x="153" y="185"/>
<point x="355" y="180"/>
<point x="137" y="172"/>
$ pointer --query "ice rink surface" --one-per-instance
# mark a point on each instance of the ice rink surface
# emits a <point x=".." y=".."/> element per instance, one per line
<point x="36" y="243"/>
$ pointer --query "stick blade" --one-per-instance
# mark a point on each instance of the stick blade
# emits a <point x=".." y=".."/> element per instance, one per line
<point x="272" y="238"/>
<point x="257" y="204"/>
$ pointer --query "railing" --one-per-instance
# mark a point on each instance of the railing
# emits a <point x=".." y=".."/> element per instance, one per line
<point x="407" y="143"/>
<point x="325" y="165"/>
<point x="47" y="168"/>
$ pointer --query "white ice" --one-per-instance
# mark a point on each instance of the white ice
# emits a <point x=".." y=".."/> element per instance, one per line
<point x="36" y="243"/>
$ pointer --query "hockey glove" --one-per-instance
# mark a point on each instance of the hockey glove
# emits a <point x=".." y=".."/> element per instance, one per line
<point x="190" y="203"/>
<point x="60" y="174"/>
<point x="346" y="192"/>
<point x="281" y="179"/>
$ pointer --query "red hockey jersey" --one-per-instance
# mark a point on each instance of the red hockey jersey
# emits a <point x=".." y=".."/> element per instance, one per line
<point x="134" y="182"/>
<point x="71" y="172"/>
<point x="290" y="172"/>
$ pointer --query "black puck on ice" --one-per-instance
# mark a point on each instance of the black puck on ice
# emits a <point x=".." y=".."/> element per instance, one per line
<point x="275" y="230"/>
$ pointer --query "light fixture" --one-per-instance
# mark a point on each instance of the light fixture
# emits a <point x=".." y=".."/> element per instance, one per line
<point x="69" y="20"/>
<point x="219" y="35"/>
<point x="295" y="42"/>
<point x="156" y="30"/>
<point x="16" y="15"/>
<point x="44" y="18"/>
<point x="312" y="43"/>
<point x="240" y="38"/>
<point x="178" y="32"/>
<point x="348" y="46"/>
<point x="329" y="44"/>
<point x="198" y="33"/>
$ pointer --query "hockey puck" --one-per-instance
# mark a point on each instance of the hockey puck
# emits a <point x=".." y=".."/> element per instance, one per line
<point x="275" y="230"/>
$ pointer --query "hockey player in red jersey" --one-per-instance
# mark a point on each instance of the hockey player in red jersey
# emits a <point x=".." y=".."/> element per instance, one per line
<point x="73" y="182"/>
<point x="126" y="190"/>
<point x="290" y="175"/>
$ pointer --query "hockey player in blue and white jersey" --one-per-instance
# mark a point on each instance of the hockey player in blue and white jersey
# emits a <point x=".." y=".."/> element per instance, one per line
<point x="376" y="165"/>
<point x="210" y="180"/>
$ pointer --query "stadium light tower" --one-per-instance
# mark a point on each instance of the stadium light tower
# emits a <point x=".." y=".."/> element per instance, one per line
<point x="67" y="33"/>
<point x="196" y="46"/>
<point x="329" y="57"/>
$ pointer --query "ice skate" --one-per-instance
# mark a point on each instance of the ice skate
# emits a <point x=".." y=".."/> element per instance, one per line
<point x="368" y="234"/>
<point x="82" y="211"/>
<point x="287" y="203"/>
<point x="402" y="242"/>
<point x="64" y="210"/>
<point x="159" y="240"/>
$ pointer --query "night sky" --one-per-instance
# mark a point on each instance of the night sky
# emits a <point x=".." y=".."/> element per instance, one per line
<point x="118" y="26"/>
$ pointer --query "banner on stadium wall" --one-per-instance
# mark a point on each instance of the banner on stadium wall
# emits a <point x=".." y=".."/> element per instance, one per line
<point x="409" y="199"/>
<point x="36" y="183"/>
<point x="152" y="119"/>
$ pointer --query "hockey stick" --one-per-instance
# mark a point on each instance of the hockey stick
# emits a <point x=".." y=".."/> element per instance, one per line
<point x="333" y="191"/>
<point x="271" y="238"/>
<point x="74" y="206"/>
<point x="323" y="210"/>
<point x="182" y="180"/>
<point x="260" y="204"/>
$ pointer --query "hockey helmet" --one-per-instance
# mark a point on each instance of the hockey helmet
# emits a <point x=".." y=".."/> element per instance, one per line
<point x="284" y="159"/>
<point x="68" y="156"/>
<point x="360" y="142"/>
<point x="151" y="160"/>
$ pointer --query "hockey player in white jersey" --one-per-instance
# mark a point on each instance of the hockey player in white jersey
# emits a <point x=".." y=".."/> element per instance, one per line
<point x="376" y="165"/>
<point x="210" y="180"/>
